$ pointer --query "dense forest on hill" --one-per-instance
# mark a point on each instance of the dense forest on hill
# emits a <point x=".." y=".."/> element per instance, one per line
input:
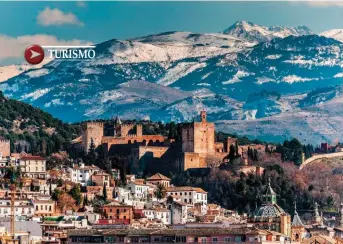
<point x="244" y="192"/>
<point x="32" y="129"/>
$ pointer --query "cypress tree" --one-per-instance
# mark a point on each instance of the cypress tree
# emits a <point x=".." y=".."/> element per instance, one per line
<point x="104" y="192"/>
<point x="236" y="147"/>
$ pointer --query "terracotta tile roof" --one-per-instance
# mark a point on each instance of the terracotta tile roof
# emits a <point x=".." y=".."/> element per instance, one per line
<point x="32" y="158"/>
<point x="169" y="231"/>
<point x="185" y="188"/>
<point x="86" y="167"/>
<point x="158" y="176"/>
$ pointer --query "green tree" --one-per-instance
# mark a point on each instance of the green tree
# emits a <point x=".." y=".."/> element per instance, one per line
<point x="56" y="193"/>
<point x="236" y="148"/>
<point x="75" y="193"/>
<point x="160" y="192"/>
<point x="232" y="153"/>
<point x="104" y="192"/>
<point x="91" y="156"/>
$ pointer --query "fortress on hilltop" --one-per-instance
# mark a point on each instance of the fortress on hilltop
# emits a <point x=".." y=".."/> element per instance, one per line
<point x="196" y="149"/>
<point x="122" y="134"/>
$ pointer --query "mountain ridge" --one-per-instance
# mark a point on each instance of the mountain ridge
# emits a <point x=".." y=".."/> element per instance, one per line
<point x="171" y="76"/>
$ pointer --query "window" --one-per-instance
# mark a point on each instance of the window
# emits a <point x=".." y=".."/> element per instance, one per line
<point x="203" y="239"/>
<point x="180" y="239"/>
<point x="227" y="239"/>
<point x="124" y="217"/>
<point x="214" y="239"/>
<point x="117" y="211"/>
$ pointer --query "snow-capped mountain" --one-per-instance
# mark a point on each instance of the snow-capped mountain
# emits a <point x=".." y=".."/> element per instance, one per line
<point x="9" y="71"/>
<point x="257" y="33"/>
<point x="336" y="34"/>
<point x="174" y="75"/>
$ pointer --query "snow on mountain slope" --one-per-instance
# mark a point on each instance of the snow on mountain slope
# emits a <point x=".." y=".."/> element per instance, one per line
<point x="271" y="66"/>
<point x="168" y="47"/>
<point x="311" y="125"/>
<point x="9" y="71"/>
<point x="257" y="33"/>
<point x="336" y="34"/>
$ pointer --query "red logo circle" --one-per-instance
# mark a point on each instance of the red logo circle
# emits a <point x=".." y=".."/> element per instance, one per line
<point x="34" y="54"/>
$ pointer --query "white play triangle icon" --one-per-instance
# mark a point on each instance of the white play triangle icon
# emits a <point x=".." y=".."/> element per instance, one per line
<point x="34" y="54"/>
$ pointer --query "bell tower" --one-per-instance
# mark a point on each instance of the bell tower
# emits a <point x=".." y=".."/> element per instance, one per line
<point x="270" y="196"/>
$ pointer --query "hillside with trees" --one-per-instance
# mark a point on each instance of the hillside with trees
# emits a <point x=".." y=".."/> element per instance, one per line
<point x="33" y="130"/>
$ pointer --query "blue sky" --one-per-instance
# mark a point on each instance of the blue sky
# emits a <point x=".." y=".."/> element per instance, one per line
<point x="100" y="21"/>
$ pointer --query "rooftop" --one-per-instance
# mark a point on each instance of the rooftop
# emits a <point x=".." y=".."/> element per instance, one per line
<point x="32" y="158"/>
<point x="185" y="188"/>
<point x="171" y="231"/>
<point x="158" y="176"/>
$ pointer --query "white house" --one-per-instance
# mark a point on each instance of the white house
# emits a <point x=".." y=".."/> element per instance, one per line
<point x="162" y="214"/>
<point x="178" y="211"/>
<point x="139" y="190"/>
<point x="188" y="195"/>
<point x="81" y="173"/>
<point x="33" y="167"/>
<point x="22" y="208"/>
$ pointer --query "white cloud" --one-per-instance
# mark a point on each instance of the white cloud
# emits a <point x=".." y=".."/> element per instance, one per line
<point x="55" y="16"/>
<point x="323" y="3"/>
<point x="15" y="46"/>
<point x="81" y="4"/>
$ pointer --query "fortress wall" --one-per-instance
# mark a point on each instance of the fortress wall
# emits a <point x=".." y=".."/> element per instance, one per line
<point x="5" y="148"/>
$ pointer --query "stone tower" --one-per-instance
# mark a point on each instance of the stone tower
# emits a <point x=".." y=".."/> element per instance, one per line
<point x="5" y="148"/>
<point x="198" y="137"/>
<point x="95" y="131"/>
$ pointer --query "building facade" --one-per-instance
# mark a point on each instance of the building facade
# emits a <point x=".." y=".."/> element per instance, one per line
<point x="33" y="167"/>
<point x="188" y="195"/>
<point x="119" y="213"/>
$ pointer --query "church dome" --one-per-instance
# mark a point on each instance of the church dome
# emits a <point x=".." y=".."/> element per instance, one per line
<point x="269" y="211"/>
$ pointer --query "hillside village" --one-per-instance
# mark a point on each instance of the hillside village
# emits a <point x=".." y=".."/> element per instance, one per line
<point x="87" y="203"/>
